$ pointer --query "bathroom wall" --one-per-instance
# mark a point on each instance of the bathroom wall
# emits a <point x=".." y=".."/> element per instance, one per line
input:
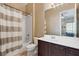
<point x="52" y="17"/>
<point x="20" y="6"/>
<point x="39" y="19"/>
<point x="29" y="8"/>
<point x="38" y="13"/>
<point x="27" y="29"/>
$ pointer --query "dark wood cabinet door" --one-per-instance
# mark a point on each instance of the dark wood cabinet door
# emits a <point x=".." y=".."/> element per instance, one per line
<point x="50" y="49"/>
<point x="57" y="50"/>
<point x="72" y="52"/>
<point x="43" y="48"/>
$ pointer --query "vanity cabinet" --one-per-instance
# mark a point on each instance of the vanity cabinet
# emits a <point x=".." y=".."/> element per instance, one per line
<point x="51" y="49"/>
<point x="43" y="48"/>
<point x="56" y="50"/>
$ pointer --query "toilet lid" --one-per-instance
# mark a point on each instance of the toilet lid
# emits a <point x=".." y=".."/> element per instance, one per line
<point x="31" y="46"/>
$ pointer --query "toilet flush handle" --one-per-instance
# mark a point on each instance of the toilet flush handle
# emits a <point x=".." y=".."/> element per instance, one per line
<point x="28" y="35"/>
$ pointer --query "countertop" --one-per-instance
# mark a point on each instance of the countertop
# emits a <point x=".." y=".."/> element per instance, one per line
<point x="72" y="42"/>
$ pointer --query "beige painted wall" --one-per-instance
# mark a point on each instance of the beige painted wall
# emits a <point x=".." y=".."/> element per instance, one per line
<point x="20" y="6"/>
<point x="39" y="19"/>
<point x="29" y="8"/>
<point x="38" y="13"/>
<point x="52" y="17"/>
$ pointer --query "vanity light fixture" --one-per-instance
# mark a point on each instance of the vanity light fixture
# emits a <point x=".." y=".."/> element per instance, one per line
<point x="56" y="4"/>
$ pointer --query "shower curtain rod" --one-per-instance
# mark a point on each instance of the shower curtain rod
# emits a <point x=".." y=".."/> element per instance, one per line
<point x="17" y="9"/>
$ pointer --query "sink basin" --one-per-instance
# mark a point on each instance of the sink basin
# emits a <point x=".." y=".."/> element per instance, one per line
<point x="53" y="37"/>
<point x="49" y="37"/>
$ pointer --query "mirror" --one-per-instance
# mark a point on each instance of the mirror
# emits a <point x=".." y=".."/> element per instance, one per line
<point x="63" y="20"/>
<point x="68" y="24"/>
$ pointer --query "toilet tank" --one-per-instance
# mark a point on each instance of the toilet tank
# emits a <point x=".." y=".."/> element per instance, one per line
<point x="35" y="39"/>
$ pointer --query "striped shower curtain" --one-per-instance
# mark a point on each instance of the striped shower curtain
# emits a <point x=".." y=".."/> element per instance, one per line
<point x="10" y="30"/>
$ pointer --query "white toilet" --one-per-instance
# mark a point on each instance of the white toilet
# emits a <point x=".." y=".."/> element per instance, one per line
<point x="31" y="47"/>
